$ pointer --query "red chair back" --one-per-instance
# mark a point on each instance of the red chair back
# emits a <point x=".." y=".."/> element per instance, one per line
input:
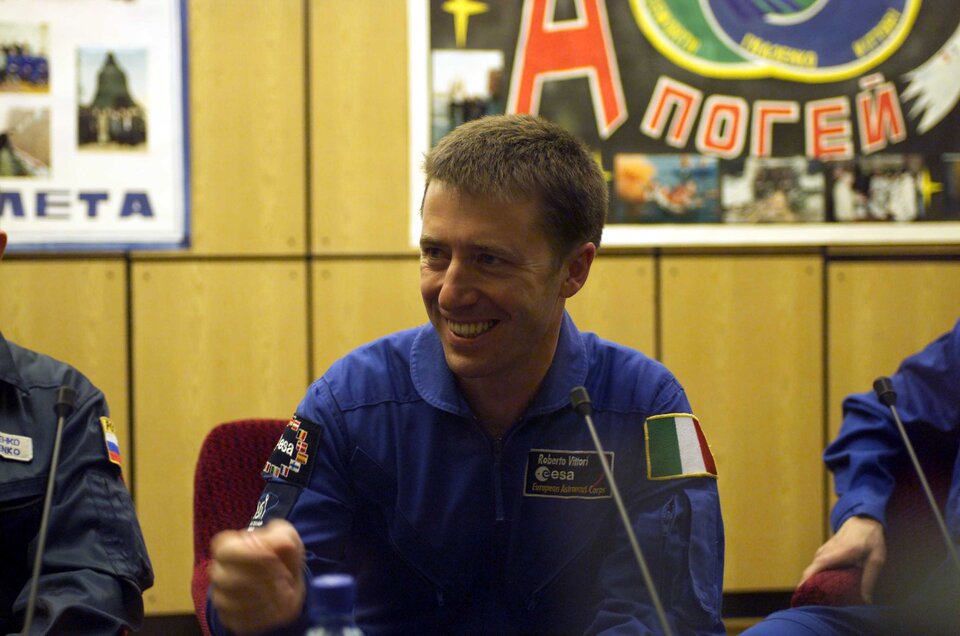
<point x="227" y="485"/>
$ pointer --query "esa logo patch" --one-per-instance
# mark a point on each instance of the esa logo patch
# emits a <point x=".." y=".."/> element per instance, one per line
<point x="290" y="459"/>
<point x="566" y="474"/>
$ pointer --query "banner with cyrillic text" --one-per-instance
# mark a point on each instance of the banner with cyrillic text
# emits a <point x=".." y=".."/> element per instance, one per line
<point x="718" y="122"/>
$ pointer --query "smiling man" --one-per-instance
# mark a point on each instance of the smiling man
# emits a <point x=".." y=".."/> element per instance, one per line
<point x="444" y="467"/>
<point x="494" y="292"/>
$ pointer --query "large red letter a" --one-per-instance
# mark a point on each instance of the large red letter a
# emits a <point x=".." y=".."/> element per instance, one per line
<point x="549" y="50"/>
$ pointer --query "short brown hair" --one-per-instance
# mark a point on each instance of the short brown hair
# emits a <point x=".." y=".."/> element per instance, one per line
<point x="514" y="157"/>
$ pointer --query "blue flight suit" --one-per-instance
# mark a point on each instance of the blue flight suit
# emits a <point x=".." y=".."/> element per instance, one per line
<point x="386" y="474"/>
<point x="863" y="459"/>
<point x="95" y="566"/>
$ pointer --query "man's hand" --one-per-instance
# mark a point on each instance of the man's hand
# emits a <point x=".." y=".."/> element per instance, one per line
<point x="256" y="578"/>
<point x="859" y="542"/>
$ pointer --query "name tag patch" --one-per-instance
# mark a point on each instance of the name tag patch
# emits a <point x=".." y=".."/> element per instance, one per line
<point x="19" y="448"/>
<point x="566" y="474"/>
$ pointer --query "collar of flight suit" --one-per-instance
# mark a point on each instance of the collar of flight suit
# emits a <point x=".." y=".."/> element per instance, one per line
<point x="8" y="368"/>
<point x="436" y="384"/>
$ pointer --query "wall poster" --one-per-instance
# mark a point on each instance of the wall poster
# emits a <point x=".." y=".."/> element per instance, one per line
<point x="718" y="122"/>
<point x="93" y="124"/>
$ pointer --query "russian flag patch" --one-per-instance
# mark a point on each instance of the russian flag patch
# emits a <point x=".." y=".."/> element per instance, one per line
<point x="110" y="439"/>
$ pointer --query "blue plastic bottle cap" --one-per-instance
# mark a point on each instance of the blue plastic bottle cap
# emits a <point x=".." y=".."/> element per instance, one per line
<point x="333" y="593"/>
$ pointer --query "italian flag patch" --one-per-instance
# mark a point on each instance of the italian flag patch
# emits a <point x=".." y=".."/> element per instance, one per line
<point x="676" y="447"/>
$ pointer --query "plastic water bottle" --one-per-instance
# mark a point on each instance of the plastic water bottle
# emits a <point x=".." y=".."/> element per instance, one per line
<point x="331" y="606"/>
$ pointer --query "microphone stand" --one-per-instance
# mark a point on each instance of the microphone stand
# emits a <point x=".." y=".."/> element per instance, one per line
<point x="883" y="387"/>
<point x="66" y="397"/>
<point x="582" y="405"/>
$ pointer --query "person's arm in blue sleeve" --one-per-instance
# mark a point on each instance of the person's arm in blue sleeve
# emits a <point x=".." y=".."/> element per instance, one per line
<point x="680" y="531"/>
<point x="308" y="510"/>
<point x="869" y="446"/>
<point x="95" y="565"/>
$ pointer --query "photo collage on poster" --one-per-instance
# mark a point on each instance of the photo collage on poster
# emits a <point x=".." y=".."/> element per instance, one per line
<point x="682" y="188"/>
<point x="466" y="85"/>
<point x="24" y="78"/>
<point x="111" y="90"/>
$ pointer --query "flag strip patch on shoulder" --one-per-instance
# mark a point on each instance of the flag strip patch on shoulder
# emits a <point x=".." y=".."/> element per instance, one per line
<point x="110" y="439"/>
<point x="676" y="447"/>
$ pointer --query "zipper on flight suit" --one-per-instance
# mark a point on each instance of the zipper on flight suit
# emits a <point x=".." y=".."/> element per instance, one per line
<point x="498" y="479"/>
<point x="496" y="444"/>
<point x="500" y="537"/>
<point x="493" y="624"/>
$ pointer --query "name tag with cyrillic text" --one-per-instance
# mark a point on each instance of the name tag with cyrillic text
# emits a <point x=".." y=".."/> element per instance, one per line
<point x="19" y="448"/>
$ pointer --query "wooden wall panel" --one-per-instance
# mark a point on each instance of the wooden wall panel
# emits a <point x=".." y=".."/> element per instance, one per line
<point x="879" y="314"/>
<point x="618" y="301"/>
<point x="248" y="126"/>
<point x="743" y="335"/>
<point x="358" y="301"/>
<point x="75" y="311"/>
<point x="214" y="341"/>
<point x="358" y="126"/>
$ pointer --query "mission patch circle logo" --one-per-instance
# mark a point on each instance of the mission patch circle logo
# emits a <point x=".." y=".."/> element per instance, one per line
<point x="801" y="40"/>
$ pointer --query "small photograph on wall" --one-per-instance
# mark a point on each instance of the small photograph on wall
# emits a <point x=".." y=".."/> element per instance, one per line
<point x="665" y="188"/>
<point x="884" y="187"/>
<point x="773" y="190"/>
<point x="24" y="141"/>
<point x="466" y="85"/>
<point x="112" y="99"/>
<point x="951" y="185"/>
<point x="24" y="59"/>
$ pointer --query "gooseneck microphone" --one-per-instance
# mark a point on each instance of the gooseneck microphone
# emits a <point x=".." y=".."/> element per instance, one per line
<point x="66" y="397"/>
<point x="883" y="387"/>
<point x="580" y="400"/>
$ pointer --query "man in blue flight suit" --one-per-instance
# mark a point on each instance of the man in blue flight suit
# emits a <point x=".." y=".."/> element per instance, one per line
<point x="444" y="466"/>
<point x="863" y="460"/>
<point x="95" y="566"/>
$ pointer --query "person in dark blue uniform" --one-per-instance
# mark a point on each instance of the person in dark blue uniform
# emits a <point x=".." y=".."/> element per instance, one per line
<point x="444" y="467"/>
<point x="863" y="459"/>
<point x="95" y="566"/>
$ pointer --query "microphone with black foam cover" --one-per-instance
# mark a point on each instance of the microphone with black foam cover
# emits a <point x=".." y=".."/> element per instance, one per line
<point x="66" y="398"/>
<point x="580" y="400"/>
<point x="883" y="387"/>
